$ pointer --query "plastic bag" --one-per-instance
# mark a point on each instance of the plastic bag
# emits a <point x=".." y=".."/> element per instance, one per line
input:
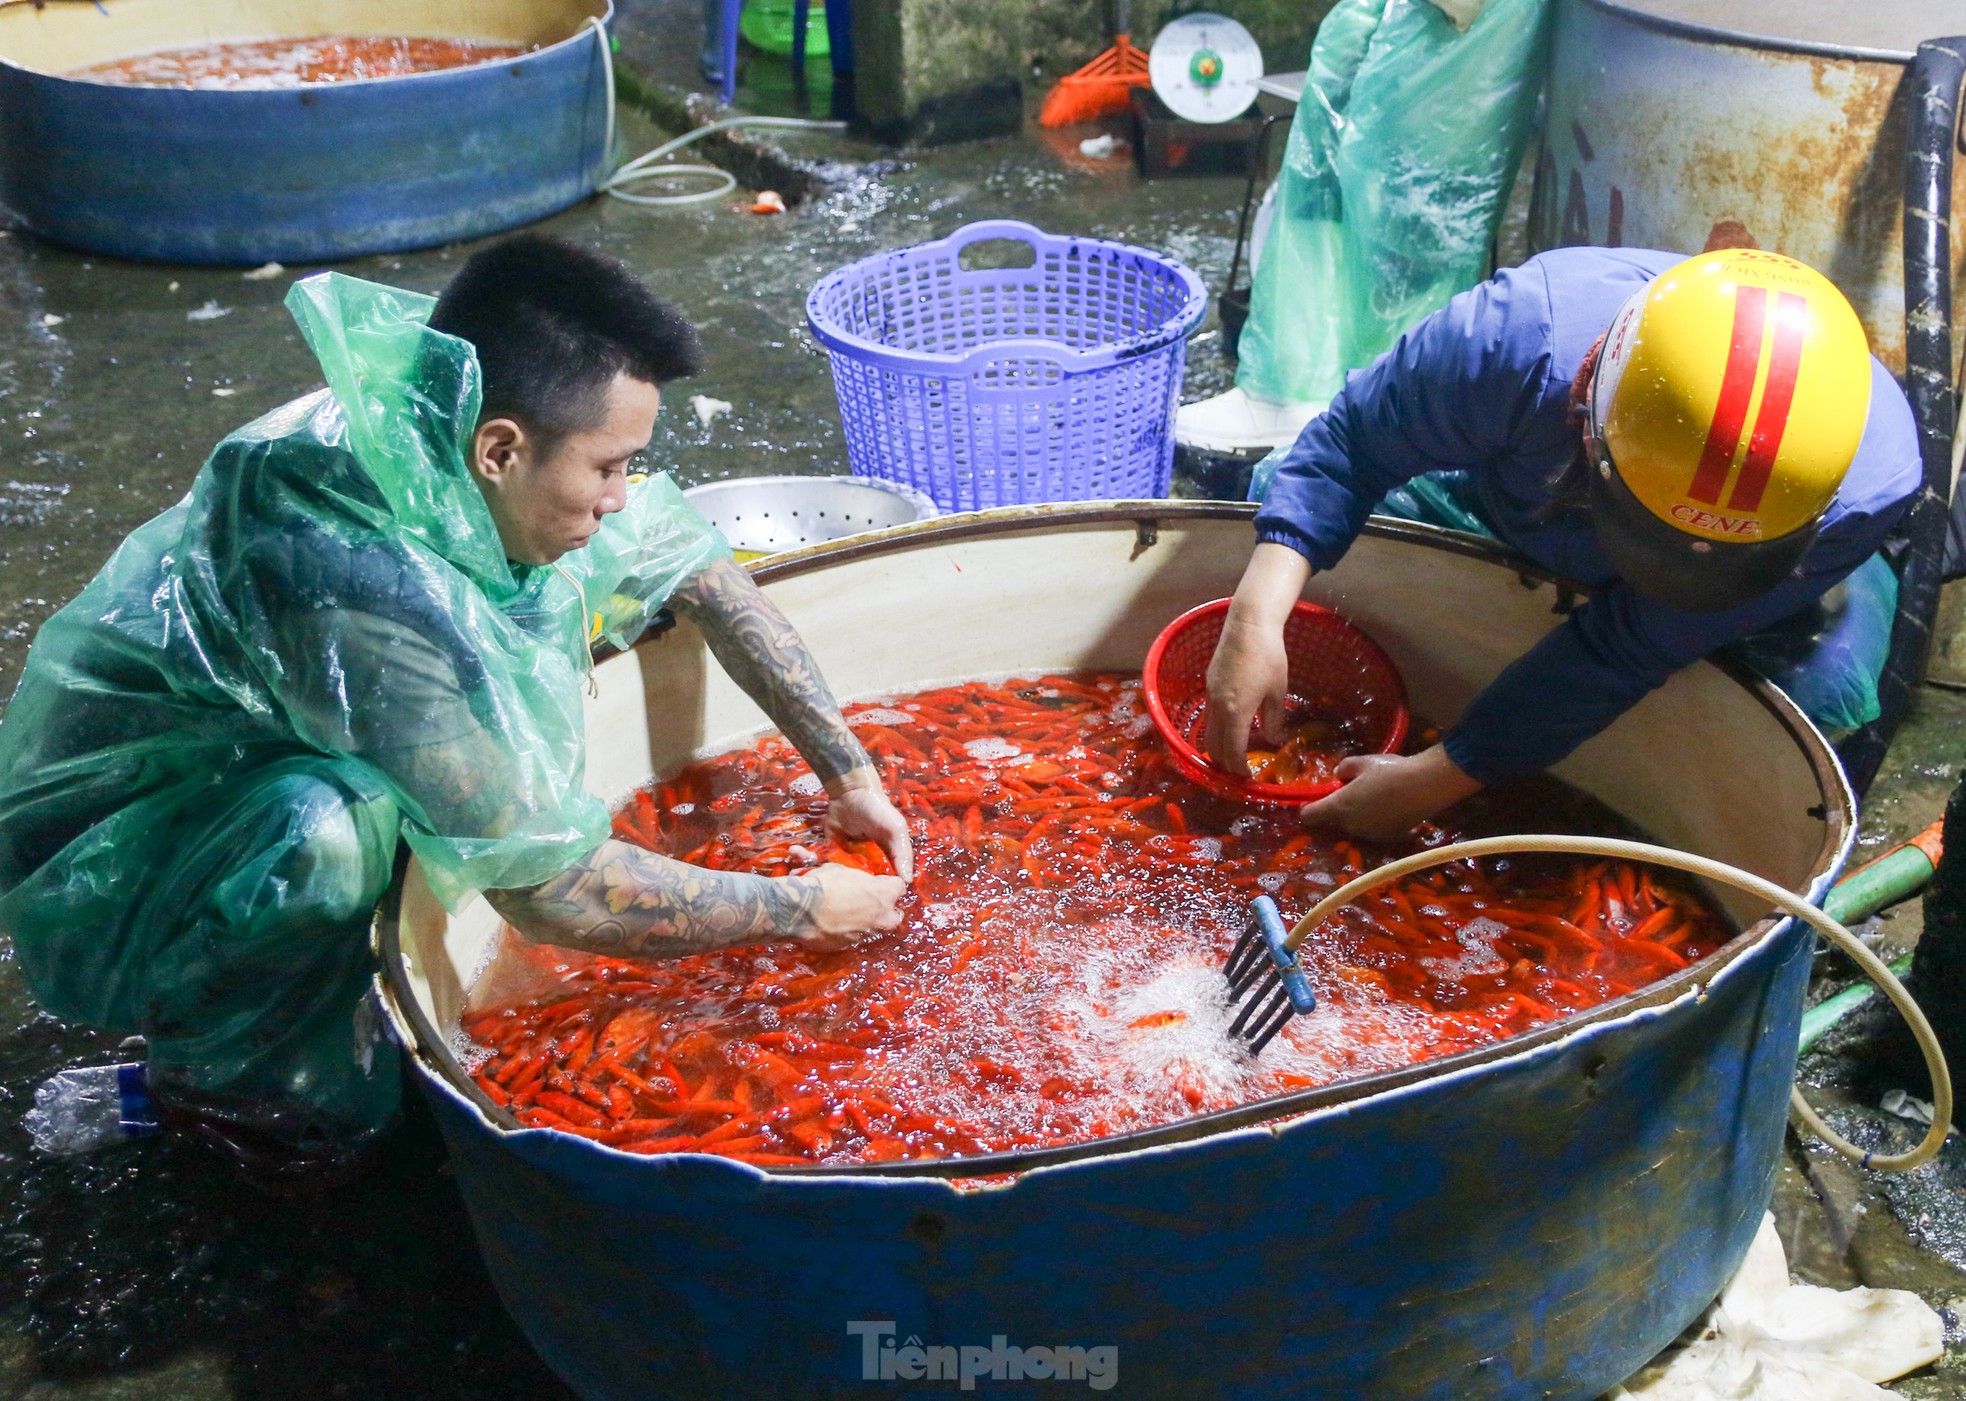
<point x="1766" y="1339"/>
<point x="1437" y="498"/>
<point x="1828" y="658"/>
<point x="1400" y="157"/>
<point x="90" y="1107"/>
<point x="215" y="748"/>
<point x="1265" y="471"/>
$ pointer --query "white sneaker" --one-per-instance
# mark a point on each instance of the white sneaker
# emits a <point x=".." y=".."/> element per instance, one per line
<point x="1234" y="422"/>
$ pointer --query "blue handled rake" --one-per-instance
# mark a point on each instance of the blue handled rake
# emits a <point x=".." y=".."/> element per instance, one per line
<point x="1265" y="959"/>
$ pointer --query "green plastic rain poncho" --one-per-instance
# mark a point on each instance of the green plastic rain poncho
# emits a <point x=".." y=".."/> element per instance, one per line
<point x="214" y="748"/>
<point x="1400" y="156"/>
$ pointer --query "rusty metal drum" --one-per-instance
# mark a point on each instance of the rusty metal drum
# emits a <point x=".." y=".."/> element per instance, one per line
<point x="1778" y="124"/>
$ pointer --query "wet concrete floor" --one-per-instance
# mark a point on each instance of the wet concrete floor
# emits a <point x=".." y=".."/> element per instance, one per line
<point x="149" y="1273"/>
<point x="1843" y="1227"/>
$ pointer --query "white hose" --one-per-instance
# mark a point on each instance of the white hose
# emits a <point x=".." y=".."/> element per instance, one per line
<point x="649" y="166"/>
<point x="1786" y="901"/>
<point x="606" y="43"/>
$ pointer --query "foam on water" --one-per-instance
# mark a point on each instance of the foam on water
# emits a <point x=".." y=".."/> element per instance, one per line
<point x="1176" y="1027"/>
<point x="468" y="1053"/>
<point x="1477" y="938"/>
<point x="881" y="716"/>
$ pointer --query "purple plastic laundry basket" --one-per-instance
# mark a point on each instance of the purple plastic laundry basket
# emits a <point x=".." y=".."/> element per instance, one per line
<point x="1001" y="386"/>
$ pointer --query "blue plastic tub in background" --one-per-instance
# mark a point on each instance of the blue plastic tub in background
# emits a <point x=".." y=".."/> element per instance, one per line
<point x="297" y="175"/>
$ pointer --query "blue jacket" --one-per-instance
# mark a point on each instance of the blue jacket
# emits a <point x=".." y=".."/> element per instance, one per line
<point x="1484" y="384"/>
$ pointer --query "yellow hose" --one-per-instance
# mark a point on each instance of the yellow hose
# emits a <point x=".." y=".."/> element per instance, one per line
<point x="1873" y="967"/>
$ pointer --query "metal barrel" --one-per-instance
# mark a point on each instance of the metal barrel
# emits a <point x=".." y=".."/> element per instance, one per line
<point x="1690" y="124"/>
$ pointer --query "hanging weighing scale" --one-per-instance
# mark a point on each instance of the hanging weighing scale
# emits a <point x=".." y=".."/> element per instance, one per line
<point x="1205" y="68"/>
<point x="1196" y="119"/>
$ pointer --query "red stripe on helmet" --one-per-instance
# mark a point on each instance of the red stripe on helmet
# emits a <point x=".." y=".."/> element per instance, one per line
<point x="1730" y="411"/>
<point x="1791" y="324"/>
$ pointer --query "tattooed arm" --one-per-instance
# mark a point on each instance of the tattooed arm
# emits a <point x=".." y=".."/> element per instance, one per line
<point x="625" y="902"/>
<point x="762" y="652"/>
<point x="757" y="645"/>
<point x="628" y="902"/>
<point x="463" y="781"/>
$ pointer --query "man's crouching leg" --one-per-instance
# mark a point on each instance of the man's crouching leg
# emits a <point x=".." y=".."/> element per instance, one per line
<point x="263" y="1038"/>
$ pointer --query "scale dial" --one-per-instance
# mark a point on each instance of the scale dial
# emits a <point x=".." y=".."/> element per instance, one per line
<point x="1205" y="68"/>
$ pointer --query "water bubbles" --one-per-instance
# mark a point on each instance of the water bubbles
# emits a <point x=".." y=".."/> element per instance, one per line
<point x="1175" y="1027"/>
<point x="469" y="1054"/>
<point x="881" y="716"/>
<point x="991" y="749"/>
<point x="1479" y="959"/>
<point x="1273" y="881"/>
<point x="806" y="785"/>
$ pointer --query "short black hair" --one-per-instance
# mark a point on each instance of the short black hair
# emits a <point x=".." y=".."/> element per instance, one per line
<point x="553" y="324"/>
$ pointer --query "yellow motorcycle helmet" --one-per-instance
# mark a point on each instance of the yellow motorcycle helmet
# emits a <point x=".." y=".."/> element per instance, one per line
<point x="1729" y="398"/>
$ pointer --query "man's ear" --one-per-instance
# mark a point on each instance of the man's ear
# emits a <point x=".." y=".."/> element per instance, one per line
<point x="498" y="446"/>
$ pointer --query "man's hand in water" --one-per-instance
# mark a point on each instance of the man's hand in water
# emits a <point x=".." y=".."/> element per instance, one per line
<point x="1248" y="681"/>
<point x="851" y="905"/>
<point x="860" y="811"/>
<point x="765" y="655"/>
<point x="1385" y="794"/>
<point x="626" y="902"/>
<point x="1249" y="676"/>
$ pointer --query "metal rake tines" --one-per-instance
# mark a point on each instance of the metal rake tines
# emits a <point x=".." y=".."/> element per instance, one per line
<point x="1263" y="969"/>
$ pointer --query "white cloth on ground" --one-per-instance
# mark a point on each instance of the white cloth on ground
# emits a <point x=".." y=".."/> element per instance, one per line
<point x="1766" y="1339"/>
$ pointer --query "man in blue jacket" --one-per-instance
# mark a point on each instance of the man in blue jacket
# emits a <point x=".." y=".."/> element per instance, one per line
<point x="1706" y="442"/>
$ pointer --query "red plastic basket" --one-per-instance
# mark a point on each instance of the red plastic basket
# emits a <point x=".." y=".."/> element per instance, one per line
<point x="1335" y="671"/>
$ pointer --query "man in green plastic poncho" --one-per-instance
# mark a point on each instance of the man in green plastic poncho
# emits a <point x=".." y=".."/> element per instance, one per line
<point x="369" y="619"/>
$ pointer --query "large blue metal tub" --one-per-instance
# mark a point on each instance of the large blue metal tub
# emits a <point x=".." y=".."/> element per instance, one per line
<point x="313" y="174"/>
<point x="1533" y="1220"/>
